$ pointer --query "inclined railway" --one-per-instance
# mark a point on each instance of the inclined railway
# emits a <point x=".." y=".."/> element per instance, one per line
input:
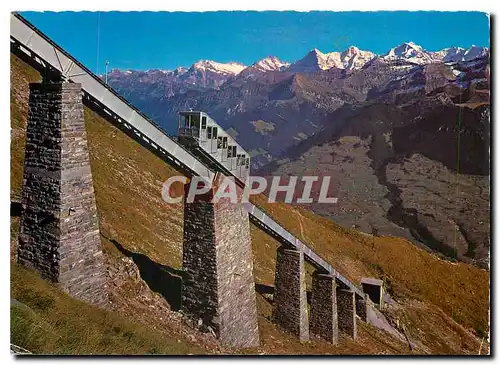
<point x="30" y="43"/>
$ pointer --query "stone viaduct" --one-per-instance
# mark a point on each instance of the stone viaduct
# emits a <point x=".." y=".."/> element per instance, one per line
<point x="59" y="233"/>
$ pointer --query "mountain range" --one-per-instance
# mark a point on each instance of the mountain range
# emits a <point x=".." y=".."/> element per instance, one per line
<point x="401" y="132"/>
<point x="351" y="59"/>
<point x="207" y="74"/>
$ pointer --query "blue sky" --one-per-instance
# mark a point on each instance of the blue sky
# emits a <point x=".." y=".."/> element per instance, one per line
<point x="166" y="40"/>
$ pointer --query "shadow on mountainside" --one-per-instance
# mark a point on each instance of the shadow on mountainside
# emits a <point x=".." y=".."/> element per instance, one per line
<point x="266" y="291"/>
<point x="15" y="208"/>
<point x="162" y="279"/>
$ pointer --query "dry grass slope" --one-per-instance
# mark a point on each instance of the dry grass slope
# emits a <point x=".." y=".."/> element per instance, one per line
<point x="50" y="322"/>
<point x="462" y="290"/>
<point x="134" y="221"/>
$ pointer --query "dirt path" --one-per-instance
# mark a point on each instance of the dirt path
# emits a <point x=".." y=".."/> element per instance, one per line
<point x="299" y="218"/>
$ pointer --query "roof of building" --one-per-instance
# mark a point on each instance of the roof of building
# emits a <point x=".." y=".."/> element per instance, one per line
<point x="372" y="281"/>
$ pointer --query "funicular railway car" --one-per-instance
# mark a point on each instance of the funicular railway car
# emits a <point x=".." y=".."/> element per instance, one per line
<point x="202" y="135"/>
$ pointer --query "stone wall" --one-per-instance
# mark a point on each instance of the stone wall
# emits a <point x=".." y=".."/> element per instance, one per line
<point x="218" y="286"/>
<point x="324" y="322"/>
<point x="362" y="307"/>
<point x="346" y="308"/>
<point x="290" y="297"/>
<point x="59" y="233"/>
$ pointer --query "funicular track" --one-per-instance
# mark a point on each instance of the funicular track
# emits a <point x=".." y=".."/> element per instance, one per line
<point x="30" y="43"/>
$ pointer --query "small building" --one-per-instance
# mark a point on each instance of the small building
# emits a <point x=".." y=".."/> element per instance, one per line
<point x="375" y="290"/>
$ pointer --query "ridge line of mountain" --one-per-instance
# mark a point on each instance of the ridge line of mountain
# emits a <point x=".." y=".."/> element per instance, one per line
<point x="350" y="59"/>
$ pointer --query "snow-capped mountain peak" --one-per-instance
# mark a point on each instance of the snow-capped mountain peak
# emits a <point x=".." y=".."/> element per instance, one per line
<point x="410" y="52"/>
<point x="475" y="52"/>
<point x="451" y="54"/>
<point x="459" y="54"/>
<point x="405" y="50"/>
<point x="180" y="70"/>
<point x="270" y="63"/>
<point x="353" y="58"/>
<point x="117" y="72"/>
<point x="230" y="68"/>
<point x="212" y="74"/>
<point x="267" y="64"/>
<point x="351" y="51"/>
<point x="316" y="60"/>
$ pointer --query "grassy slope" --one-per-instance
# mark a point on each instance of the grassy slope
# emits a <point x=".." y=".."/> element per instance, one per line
<point x="443" y="302"/>
<point x="127" y="181"/>
<point x="51" y="322"/>
<point x="461" y="290"/>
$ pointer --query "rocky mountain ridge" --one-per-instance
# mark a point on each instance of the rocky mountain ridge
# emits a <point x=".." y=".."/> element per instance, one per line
<point x="399" y="112"/>
<point x="411" y="161"/>
<point x="350" y="59"/>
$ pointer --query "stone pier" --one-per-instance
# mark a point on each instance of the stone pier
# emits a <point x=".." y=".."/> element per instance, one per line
<point x="346" y="308"/>
<point x="324" y="322"/>
<point x="290" y="296"/>
<point x="59" y="233"/>
<point x="218" y="286"/>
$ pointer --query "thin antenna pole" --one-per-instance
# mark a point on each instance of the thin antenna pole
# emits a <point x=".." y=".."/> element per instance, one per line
<point x="98" y="36"/>
<point x="106" y="75"/>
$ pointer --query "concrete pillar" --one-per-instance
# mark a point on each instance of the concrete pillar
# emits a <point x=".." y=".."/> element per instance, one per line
<point x="59" y="233"/>
<point x="362" y="307"/>
<point x="290" y="296"/>
<point x="324" y="322"/>
<point x="347" y="312"/>
<point x="218" y="286"/>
